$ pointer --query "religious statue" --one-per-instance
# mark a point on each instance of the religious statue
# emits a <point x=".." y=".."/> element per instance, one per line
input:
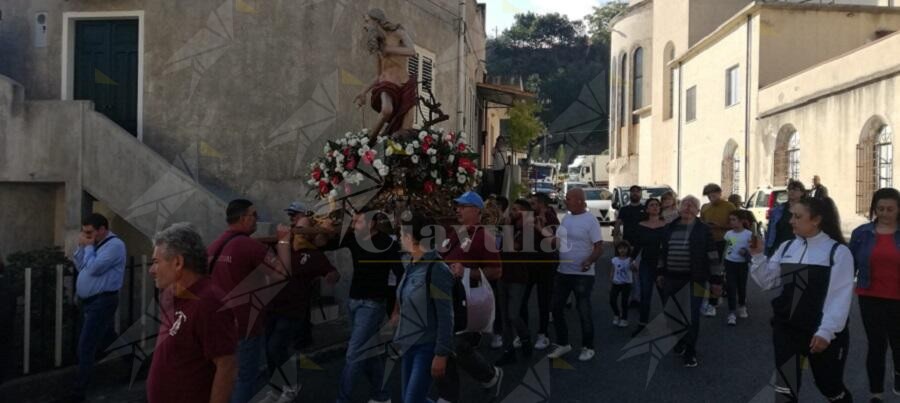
<point x="394" y="94"/>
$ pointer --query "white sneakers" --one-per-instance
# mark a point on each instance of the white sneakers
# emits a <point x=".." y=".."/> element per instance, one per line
<point x="497" y="341"/>
<point x="287" y="395"/>
<point x="708" y="310"/>
<point x="732" y="320"/>
<point x="623" y="323"/>
<point x="517" y="342"/>
<point x="542" y="342"/>
<point x="586" y="354"/>
<point x="616" y="321"/>
<point x="742" y="312"/>
<point x="559" y="351"/>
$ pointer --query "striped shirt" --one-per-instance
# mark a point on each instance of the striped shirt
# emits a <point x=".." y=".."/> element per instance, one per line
<point x="679" y="258"/>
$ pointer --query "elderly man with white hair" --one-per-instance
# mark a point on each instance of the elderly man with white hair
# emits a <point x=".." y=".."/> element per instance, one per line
<point x="689" y="260"/>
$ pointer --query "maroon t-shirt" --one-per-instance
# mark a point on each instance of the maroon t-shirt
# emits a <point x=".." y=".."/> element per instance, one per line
<point x="473" y="250"/>
<point x="306" y="265"/>
<point x="193" y="331"/>
<point x="240" y="257"/>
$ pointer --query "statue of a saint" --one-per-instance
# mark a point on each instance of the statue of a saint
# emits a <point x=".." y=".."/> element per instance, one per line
<point x="394" y="94"/>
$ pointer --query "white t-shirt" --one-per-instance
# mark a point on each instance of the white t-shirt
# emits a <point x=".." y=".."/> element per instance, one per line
<point x="577" y="235"/>
<point x="734" y="242"/>
<point x="622" y="270"/>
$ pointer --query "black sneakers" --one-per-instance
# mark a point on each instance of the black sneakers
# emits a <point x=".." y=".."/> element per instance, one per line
<point x="691" y="362"/>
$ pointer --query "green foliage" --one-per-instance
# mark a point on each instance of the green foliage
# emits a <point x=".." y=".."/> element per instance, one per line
<point x="554" y="55"/>
<point x="599" y="20"/>
<point x="524" y="125"/>
<point x="518" y="190"/>
<point x="37" y="259"/>
<point x="561" y="155"/>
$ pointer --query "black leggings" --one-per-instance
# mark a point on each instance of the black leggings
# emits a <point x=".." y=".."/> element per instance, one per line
<point x="792" y="349"/>
<point x="620" y="293"/>
<point x="881" y="318"/>
<point x="736" y="283"/>
<point x="543" y="278"/>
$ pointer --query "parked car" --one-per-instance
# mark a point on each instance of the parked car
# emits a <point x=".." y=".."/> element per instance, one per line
<point x="763" y="200"/>
<point x="566" y="186"/>
<point x="621" y="197"/>
<point x="599" y="203"/>
<point x="548" y="189"/>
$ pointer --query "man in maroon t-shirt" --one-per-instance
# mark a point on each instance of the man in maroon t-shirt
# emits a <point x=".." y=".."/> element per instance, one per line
<point x="251" y="276"/>
<point x="194" y="356"/>
<point x="474" y="248"/>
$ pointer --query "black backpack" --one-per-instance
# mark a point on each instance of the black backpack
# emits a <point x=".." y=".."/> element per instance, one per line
<point x="460" y="314"/>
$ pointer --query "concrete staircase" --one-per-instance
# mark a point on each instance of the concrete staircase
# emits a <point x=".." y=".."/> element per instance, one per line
<point x="68" y="142"/>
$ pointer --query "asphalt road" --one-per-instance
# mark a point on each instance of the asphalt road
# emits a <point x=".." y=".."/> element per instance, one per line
<point x="736" y="364"/>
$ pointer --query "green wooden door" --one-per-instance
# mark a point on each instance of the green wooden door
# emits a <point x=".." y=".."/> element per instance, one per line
<point x="106" y="68"/>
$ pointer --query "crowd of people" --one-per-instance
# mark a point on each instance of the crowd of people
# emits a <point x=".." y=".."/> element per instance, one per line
<point x="450" y="290"/>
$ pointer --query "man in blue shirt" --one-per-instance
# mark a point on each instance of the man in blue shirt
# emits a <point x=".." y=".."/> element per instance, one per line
<point x="100" y="263"/>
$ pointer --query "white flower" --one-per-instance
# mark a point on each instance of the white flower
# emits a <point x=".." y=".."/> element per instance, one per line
<point x="339" y="169"/>
<point x="383" y="171"/>
<point x="437" y="181"/>
<point x="378" y="164"/>
<point x="415" y="159"/>
<point x="422" y="135"/>
<point x="321" y="165"/>
<point x="354" y="142"/>
<point x="461" y="170"/>
<point x="433" y="159"/>
<point x="451" y="158"/>
<point x="361" y="152"/>
<point x="326" y="149"/>
<point x="461" y="179"/>
<point x="348" y="134"/>
<point x="381" y="139"/>
<point x="332" y="193"/>
<point x="365" y="131"/>
<point x="339" y="158"/>
<point x="389" y="151"/>
<point x="311" y="182"/>
<point x="409" y="149"/>
<point x="432" y="151"/>
<point x="478" y="173"/>
<point x="415" y="144"/>
<point x="435" y="136"/>
<point x="434" y="173"/>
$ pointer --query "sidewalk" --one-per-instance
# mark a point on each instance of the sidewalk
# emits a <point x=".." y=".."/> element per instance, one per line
<point x="112" y="378"/>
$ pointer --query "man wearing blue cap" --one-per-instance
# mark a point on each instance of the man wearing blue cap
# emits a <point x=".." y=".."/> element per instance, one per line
<point x="475" y="249"/>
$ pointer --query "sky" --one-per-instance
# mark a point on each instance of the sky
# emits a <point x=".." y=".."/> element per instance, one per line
<point x="500" y="12"/>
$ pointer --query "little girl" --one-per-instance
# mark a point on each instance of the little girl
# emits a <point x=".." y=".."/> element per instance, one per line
<point x="622" y="278"/>
<point x="737" y="242"/>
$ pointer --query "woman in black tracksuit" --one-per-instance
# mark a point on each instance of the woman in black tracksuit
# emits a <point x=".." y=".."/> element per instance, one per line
<point x="815" y="273"/>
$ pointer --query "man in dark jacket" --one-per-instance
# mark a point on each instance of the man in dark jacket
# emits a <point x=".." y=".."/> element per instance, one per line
<point x="689" y="260"/>
<point x="818" y="191"/>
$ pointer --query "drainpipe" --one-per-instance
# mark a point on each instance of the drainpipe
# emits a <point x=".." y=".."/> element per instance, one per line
<point x="461" y="67"/>
<point x="678" y="150"/>
<point x="747" y="108"/>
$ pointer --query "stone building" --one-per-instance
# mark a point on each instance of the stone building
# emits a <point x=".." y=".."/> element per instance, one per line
<point x="161" y="111"/>
<point x="749" y="94"/>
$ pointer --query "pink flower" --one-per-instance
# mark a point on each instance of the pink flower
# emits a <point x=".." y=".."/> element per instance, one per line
<point x="369" y="157"/>
<point x="335" y="180"/>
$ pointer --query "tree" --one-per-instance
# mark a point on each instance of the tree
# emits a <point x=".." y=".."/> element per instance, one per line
<point x="599" y="20"/>
<point x="524" y="125"/>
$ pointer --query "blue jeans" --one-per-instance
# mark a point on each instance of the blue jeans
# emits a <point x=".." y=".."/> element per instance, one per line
<point x="98" y="312"/>
<point x="282" y="334"/>
<point x="365" y="350"/>
<point x="582" y="286"/>
<point x="416" y="370"/>
<point x="250" y="377"/>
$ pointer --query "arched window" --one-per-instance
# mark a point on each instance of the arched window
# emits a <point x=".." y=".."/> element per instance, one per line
<point x="731" y="170"/>
<point x="668" y="81"/>
<point x="794" y="156"/>
<point x="787" y="156"/>
<point x="874" y="162"/>
<point x="637" y="80"/>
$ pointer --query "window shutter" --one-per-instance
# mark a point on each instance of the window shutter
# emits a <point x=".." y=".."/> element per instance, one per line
<point x="427" y="73"/>
<point x="413" y="67"/>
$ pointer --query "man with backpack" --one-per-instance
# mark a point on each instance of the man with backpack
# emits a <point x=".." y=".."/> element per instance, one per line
<point x="474" y="249"/>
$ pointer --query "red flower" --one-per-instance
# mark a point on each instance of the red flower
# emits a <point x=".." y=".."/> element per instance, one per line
<point x="351" y="163"/>
<point x="347" y="152"/>
<point x="335" y="180"/>
<point x="369" y="157"/>
<point x="429" y="186"/>
<point x="317" y="174"/>
<point x="467" y="164"/>
<point x="323" y="187"/>
<point x="461" y="147"/>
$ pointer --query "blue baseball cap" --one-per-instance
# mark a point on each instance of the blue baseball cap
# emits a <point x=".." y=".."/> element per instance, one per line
<point x="470" y="198"/>
<point x="297" y="208"/>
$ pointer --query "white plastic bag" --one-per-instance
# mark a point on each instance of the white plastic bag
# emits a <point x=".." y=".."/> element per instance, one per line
<point x="479" y="304"/>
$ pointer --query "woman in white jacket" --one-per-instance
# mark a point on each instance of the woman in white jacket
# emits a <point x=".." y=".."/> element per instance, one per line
<point x="814" y="273"/>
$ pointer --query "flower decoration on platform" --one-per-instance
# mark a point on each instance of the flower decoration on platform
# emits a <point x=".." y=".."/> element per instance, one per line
<point x="428" y="165"/>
